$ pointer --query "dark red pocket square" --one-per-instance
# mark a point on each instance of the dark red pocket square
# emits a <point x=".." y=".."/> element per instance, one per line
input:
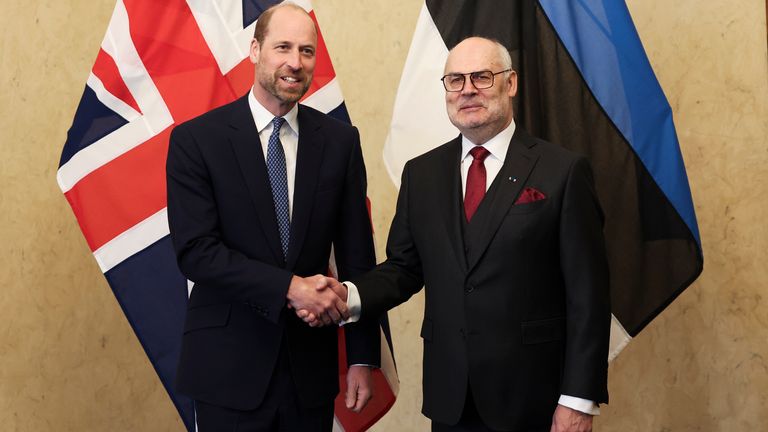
<point x="530" y="195"/>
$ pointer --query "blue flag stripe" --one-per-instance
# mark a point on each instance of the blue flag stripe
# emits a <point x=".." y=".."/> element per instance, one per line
<point x="603" y="42"/>
<point x="92" y="121"/>
<point x="340" y="113"/>
<point x="253" y="8"/>
<point x="153" y="295"/>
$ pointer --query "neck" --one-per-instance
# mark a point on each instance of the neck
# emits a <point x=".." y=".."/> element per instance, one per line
<point x="275" y="106"/>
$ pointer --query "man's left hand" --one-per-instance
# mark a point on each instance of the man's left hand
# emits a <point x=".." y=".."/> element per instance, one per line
<point x="569" y="420"/>
<point x="359" y="387"/>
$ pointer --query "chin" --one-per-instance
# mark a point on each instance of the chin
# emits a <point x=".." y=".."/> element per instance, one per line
<point x="290" y="96"/>
<point x="471" y="123"/>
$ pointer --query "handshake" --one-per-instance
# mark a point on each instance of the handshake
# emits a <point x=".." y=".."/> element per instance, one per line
<point x="318" y="300"/>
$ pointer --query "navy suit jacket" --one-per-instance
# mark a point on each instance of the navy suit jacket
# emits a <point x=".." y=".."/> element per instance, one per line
<point x="224" y="230"/>
<point x="517" y="300"/>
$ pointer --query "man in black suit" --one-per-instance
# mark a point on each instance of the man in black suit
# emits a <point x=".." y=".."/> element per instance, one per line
<point x="258" y="191"/>
<point x="505" y="232"/>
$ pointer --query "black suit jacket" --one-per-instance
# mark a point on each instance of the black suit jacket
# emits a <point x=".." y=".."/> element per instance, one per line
<point x="517" y="300"/>
<point x="224" y="231"/>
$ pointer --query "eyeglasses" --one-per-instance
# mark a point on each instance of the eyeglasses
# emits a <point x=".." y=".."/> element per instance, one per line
<point x="481" y="80"/>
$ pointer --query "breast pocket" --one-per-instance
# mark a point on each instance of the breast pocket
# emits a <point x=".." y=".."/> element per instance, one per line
<point x="528" y="207"/>
<point x="543" y="331"/>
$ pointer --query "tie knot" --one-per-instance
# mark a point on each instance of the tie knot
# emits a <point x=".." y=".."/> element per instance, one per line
<point x="479" y="153"/>
<point x="277" y="122"/>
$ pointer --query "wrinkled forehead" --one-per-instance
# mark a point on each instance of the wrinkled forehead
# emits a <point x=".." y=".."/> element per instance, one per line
<point x="472" y="55"/>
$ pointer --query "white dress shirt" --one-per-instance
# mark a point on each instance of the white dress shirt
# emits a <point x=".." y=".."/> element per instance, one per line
<point x="497" y="146"/>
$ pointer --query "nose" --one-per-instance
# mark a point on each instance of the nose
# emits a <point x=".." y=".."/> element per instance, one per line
<point x="293" y="60"/>
<point x="469" y="88"/>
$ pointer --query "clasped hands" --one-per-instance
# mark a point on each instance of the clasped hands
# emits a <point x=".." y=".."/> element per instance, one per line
<point x="318" y="300"/>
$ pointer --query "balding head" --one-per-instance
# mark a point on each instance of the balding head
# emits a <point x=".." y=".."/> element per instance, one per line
<point x="262" y="24"/>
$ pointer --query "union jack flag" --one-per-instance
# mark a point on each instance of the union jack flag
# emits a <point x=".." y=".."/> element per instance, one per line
<point x="160" y="64"/>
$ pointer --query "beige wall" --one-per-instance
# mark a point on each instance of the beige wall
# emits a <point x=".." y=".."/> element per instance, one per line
<point x="68" y="360"/>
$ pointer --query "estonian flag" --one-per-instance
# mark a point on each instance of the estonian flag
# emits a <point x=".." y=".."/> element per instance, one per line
<point x="584" y="83"/>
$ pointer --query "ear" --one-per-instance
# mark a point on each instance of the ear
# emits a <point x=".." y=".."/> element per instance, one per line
<point x="512" y="81"/>
<point x="254" y="51"/>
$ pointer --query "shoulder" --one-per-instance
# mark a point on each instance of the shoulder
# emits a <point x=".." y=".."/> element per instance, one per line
<point x="218" y="116"/>
<point x="552" y="152"/>
<point x="445" y="152"/>
<point x="340" y="138"/>
<point x="312" y="118"/>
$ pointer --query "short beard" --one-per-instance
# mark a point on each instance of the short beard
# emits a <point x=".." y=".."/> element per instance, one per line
<point x="269" y="83"/>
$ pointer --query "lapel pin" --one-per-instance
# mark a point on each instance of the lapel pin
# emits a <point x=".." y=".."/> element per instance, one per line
<point x="513" y="179"/>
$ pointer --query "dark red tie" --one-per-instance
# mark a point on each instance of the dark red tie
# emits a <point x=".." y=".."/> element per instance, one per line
<point x="475" y="181"/>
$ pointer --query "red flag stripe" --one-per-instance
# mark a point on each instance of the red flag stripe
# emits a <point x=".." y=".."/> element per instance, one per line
<point x="105" y="69"/>
<point x="122" y="193"/>
<point x="175" y="55"/>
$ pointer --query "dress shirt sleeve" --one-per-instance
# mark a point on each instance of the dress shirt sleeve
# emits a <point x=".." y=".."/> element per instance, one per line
<point x="353" y="303"/>
<point x="584" y="405"/>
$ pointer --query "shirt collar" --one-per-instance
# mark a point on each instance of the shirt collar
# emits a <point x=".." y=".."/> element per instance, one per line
<point x="496" y="146"/>
<point x="263" y="118"/>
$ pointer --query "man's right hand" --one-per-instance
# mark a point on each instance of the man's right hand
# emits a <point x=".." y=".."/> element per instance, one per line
<point x="325" y="306"/>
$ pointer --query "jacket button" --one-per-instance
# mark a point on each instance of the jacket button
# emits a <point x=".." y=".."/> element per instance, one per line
<point x="469" y="288"/>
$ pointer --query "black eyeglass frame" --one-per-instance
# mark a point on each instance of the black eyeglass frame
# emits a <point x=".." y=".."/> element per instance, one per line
<point x="472" y="76"/>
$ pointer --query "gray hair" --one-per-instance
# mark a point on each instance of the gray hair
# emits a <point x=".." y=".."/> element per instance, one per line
<point x="503" y="53"/>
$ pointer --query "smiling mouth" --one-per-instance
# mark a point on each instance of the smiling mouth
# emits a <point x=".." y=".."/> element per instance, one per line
<point x="290" y="79"/>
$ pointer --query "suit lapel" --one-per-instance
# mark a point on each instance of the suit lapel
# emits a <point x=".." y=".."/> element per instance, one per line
<point x="503" y="192"/>
<point x="244" y="139"/>
<point x="308" y="158"/>
<point x="452" y="208"/>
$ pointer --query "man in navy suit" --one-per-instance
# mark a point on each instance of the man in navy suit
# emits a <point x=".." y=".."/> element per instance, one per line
<point x="258" y="192"/>
<point x="504" y="231"/>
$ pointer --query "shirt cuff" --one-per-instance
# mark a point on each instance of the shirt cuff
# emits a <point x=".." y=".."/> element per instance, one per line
<point x="353" y="303"/>
<point x="584" y="405"/>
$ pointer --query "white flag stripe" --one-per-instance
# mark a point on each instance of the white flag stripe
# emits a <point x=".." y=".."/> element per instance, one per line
<point x="325" y="99"/>
<point x="619" y="338"/>
<point x="306" y="4"/>
<point x="222" y="27"/>
<point x="102" y="152"/>
<point x="419" y="120"/>
<point x="109" y="100"/>
<point x="118" y="44"/>
<point x="388" y="365"/>
<point x="132" y="240"/>
<point x="337" y="427"/>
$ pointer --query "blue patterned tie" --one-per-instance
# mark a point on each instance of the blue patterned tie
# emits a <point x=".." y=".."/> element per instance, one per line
<point x="278" y="179"/>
